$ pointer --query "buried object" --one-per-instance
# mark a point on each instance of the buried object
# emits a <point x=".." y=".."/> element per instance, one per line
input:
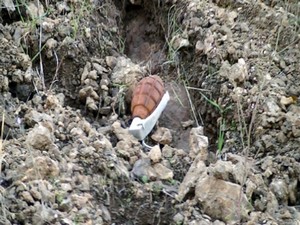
<point x="148" y="101"/>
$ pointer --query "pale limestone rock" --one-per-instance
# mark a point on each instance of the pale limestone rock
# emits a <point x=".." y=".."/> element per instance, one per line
<point x="40" y="137"/>
<point x="236" y="73"/>
<point x="197" y="171"/>
<point x="155" y="154"/>
<point x="198" y="143"/>
<point x="162" y="135"/>
<point x="221" y="199"/>
<point x="162" y="172"/>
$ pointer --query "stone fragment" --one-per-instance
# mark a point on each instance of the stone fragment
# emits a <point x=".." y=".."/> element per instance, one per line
<point x="280" y="188"/>
<point x="142" y="167"/>
<point x="111" y="61"/>
<point x="198" y="143"/>
<point x="178" y="42"/>
<point x="126" y="72"/>
<point x="162" y="135"/>
<point x="167" y="151"/>
<point x="220" y="199"/>
<point x="123" y="134"/>
<point x="199" y="48"/>
<point x="33" y="117"/>
<point x="40" y="137"/>
<point x="80" y="201"/>
<point x="155" y="154"/>
<point x="196" y="171"/>
<point x="26" y="196"/>
<point x="45" y="166"/>
<point x="178" y="218"/>
<point x="162" y="172"/>
<point x="236" y="73"/>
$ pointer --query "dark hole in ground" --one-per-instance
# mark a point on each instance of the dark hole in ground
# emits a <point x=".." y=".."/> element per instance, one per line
<point x="23" y="92"/>
<point x="144" y="38"/>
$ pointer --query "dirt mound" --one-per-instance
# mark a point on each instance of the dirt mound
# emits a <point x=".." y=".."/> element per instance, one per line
<point x="225" y="148"/>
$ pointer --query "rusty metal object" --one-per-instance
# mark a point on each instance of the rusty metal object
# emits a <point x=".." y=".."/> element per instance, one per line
<point x="146" y="96"/>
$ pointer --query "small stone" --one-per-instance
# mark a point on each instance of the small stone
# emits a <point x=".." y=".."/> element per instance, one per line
<point x="286" y="100"/>
<point x="51" y="43"/>
<point x="80" y="201"/>
<point x="66" y="187"/>
<point x="141" y="168"/>
<point x="198" y="143"/>
<point x="167" y="151"/>
<point x="187" y="123"/>
<point x="100" y="69"/>
<point x="46" y="167"/>
<point x="93" y="75"/>
<point x="218" y="199"/>
<point x="162" y="135"/>
<point x="280" y="189"/>
<point x="40" y="137"/>
<point x="195" y="172"/>
<point x="155" y="154"/>
<point x="178" y="218"/>
<point x="111" y="61"/>
<point x="91" y="104"/>
<point x="178" y="42"/>
<point x="26" y="196"/>
<point x="199" y="48"/>
<point x="163" y="172"/>
<point x="237" y="73"/>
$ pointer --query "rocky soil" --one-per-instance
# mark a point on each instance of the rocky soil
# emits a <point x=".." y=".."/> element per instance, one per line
<point x="225" y="150"/>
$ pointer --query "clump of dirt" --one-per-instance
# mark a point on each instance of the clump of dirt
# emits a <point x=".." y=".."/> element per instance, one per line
<point x="226" y="146"/>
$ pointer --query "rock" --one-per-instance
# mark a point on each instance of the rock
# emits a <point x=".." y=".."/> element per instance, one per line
<point x="199" y="48"/>
<point x="4" y="83"/>
<point x="208" y="43"/>
<point x="167" y="151"/>
<point x="66" y="187"/>
<point x="162" y="172"/>
<point x="88" y="92"/>
<point x="45" y="166"/>
<point x="155" y="154"/>
<point x="26" y="196"/>
<point x="111" y="61"/>
<point x="198" y="143"/>
<point x="178" y="42"/>
<point x="40" y="137"/>
<point x="91" y="104"/>
<point x="100" y="69"/>
<point x="187" y="123"/>
<point x="272" y="107"/>
<point x="286" y="100"/>
<point x="105" y="213"/>
<point x="162" y="135"/>
<point x="237" y="73"/>
<point x="33" y="117"/>
<point x="142" y="167"/>
<point x="196" y="171"/>
<point x="280" y="189"/>
<point x="121" y="133"/>
<point x="54" y="101"/>
<point x="126" y="72"/>
<point x="85" y="72"/>
<point x="178" y="218"/>
<point x="80" y="201"/>
<point x="220" y="199"/>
